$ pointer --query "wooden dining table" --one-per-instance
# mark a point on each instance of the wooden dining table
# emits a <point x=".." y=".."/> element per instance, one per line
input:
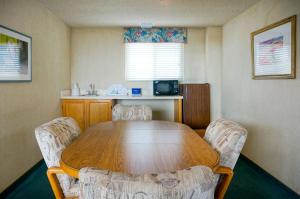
<point x="138" y="147"/>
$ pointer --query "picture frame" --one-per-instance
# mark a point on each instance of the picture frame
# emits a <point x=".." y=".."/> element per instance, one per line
<point x="15" y="56"/>
<point x="274" y="50"/>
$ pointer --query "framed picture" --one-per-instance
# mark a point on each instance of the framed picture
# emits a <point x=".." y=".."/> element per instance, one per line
<point x="274" y="50"/>
<point x="15" y="56"/>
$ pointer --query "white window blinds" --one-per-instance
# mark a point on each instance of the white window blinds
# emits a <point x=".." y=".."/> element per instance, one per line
<point x="150" y="61"/>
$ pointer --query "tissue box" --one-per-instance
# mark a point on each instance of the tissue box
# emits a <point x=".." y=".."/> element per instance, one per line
<point x="136" y="91"/>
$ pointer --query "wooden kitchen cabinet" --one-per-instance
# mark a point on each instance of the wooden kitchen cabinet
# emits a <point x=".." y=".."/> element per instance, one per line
<point x="98" y="111"/>
<point x="74" y="109"/>
<point x="87" y="112"/>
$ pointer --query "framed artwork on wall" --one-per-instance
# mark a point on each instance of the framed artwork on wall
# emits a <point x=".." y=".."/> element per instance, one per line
<point x="274" y="50"/>
<point x="15" y="56"/>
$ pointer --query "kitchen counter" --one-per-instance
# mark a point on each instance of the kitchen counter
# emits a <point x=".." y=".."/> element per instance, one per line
<point x="86" y="107"/>
<point x="143" y="97"/>
<point x="66" y="94"/>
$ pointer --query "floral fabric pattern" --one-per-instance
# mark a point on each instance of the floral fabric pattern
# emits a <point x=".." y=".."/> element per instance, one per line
<point x="192" y="183"/>
<point x="131" y="112"/>
<point x="228" y="138"/>
<point x="155" y="35"/>
<point x="53" y="137"/>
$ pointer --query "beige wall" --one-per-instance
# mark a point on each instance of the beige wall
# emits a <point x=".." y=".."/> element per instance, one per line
<point x="194" y="56"/>
<point x="268" y="108"/>
<point x="97" y="56"/>
<point x="213" y="50"/>
<point x="24" y="106"/>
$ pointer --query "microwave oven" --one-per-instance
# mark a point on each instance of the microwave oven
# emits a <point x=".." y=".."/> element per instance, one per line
<point x="165" y="87"/>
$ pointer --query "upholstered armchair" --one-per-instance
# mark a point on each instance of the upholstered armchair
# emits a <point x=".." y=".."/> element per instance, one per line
<point x="193" y="183"/>
<point x="227" y="138"/>
<point x="53" y="137"/>
<point x="131" y="112"/>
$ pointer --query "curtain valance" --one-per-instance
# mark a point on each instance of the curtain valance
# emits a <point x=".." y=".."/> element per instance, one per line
<point x="155" y="35"/>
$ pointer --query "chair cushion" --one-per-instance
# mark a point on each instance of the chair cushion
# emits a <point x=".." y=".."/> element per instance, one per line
<point x="73" y="191"/>
<point x="131" y="112"/>
<point x="193" y="183"/>
<point x="53" y="137"/>
<point x="228" y="138"/>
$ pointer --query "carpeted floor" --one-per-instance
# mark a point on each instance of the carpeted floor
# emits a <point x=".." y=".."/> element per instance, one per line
<point x="249" y="182"/>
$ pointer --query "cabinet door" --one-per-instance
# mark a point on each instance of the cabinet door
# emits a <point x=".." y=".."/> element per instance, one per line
<point x="98" y="111"/>
<point x="76" y="110"/>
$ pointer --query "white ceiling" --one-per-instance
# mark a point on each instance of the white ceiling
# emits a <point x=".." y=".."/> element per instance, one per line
<point x="191" y="13"/>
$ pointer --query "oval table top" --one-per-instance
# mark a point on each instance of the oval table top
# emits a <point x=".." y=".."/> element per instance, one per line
<point x="138" y="147"/>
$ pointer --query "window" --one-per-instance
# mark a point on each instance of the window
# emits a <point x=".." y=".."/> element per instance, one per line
<point x="150" y="61"/>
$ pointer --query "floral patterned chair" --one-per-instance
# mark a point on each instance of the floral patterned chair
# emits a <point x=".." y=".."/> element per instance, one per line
<point x="228" y="138"/>
<point x="131" y="112"/>
<point x="53" y="137"/>
<point x="193" y="183"/>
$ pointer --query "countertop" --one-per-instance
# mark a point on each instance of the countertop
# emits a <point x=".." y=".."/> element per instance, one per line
<point x="150" y="97"/>
<point x="66" y="94"/>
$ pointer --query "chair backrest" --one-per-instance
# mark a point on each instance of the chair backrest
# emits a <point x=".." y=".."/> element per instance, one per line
<point x="53" y="137"/>
<point x="131" y="112"/>
<point x="228" y="138"/>
<point x="192" y="183"/>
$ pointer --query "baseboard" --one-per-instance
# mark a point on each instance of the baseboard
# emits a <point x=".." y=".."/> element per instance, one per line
<point x="15" y="184"/>
<point x="265" y="173"/>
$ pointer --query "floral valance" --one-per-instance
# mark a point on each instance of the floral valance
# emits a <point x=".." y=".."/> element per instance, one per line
<point x="155" y="35"/>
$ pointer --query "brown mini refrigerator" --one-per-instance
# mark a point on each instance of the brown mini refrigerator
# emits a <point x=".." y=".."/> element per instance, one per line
<point x="195" y="105"/>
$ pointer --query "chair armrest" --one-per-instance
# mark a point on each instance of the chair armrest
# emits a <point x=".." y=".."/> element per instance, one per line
<point x="223" y="170"/>
<point x="222" y="187"/>
<point x="51" y="173"/>
<point x="55" y="170"/>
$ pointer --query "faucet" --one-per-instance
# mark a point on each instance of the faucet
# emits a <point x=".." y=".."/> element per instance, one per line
<point x="92" y="90"/>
